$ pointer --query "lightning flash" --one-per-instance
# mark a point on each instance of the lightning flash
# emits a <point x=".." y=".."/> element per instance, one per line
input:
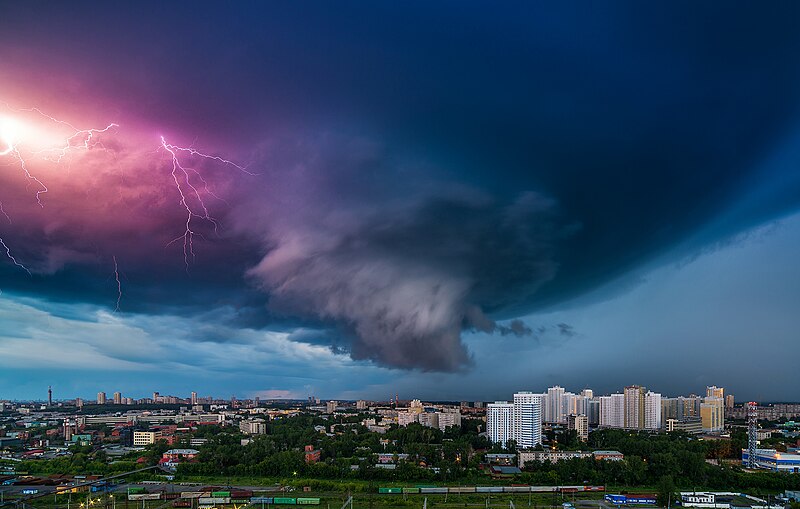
<point x="191" y="198"/>
<point x="23" y="139"/>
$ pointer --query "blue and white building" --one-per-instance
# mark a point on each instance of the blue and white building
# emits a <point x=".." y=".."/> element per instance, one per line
<point x="770" y="459"/>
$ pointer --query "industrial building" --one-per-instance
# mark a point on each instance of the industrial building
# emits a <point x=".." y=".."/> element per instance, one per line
<point x="770" y="459"/>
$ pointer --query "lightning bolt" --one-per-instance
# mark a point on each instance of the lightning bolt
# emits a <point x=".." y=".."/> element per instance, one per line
<point x="119" y="283"/>
<point x="11" y="257"/>
<point x="189" y="193"/>
<point x="192" y="187"/>
<point x="2" y="211"/>
<point x="78" y="139"/>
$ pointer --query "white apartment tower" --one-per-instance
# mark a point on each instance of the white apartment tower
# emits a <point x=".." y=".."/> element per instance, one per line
<point x="612" y="411"/>
<point x="500" y="421"/>
<point x="528" y="419"/>
<point x="652" y="410"/>
<point x="553" y="404"/>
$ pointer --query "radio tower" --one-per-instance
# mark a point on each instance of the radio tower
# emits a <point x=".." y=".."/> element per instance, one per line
<point x="49" y="395"/>
<point x="752" y="426"/>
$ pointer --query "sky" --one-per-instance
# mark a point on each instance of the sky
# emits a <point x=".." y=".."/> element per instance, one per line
<point x="355" y="200"/>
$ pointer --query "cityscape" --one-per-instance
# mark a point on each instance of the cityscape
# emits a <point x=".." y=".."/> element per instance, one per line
<point x="399" y="255"/>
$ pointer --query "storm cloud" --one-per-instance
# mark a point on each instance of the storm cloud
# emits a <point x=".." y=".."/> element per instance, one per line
<point x="405" y="283"/>
<point x="418" y="172"/>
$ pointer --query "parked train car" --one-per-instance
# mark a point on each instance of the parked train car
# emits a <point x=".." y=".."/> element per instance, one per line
<point x="517" y="488"/>
<point x="461" y="489"/>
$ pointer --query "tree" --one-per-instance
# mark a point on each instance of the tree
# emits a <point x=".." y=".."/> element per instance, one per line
<point x="666" y="491"/>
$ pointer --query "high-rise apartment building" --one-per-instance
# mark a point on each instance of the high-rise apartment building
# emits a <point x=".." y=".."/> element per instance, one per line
<point x="117" y="398"/>
<point x="715" y="392"/>
<point x="729" y="401"/>
<point x="449" y="419"/>
<point x="194" y="398"/>
<point x="580" y="423"/>
<point x="500" y="421"/>
<point x="634" y="406"/>
<point x="528" y="419"/>
<point x="652" y="411"/>
<point x="101" y="398"/>
<point x="330" y="406"/>
<point x="593" y="411"/>
<point x="612" y="411"/>
<point x="553" y="404"/>
<point x="712" y="414"/>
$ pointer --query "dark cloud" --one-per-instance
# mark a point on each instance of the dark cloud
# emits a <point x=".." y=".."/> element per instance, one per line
<point x="405" y="282"/>
<point x="486" y="163"/>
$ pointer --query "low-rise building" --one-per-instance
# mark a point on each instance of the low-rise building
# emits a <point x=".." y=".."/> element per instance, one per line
<point x="141" y="438"/>
<point x="251" y="427"/>
<point x="690" y="425"/>
<point x="311" y="455"/>
<point x="608" y="455"/>
<point x="770" y="459"/>
<point x="551" y="456"/>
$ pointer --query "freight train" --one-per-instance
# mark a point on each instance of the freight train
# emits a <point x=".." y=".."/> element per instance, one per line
<point x="517" y="488"/>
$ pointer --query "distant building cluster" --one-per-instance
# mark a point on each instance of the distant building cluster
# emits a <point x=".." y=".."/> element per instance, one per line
<point x="439" y="416"/>
<point x="635" y="408"/>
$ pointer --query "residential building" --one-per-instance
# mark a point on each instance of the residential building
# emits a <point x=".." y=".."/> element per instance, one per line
<point x="712" y="413"/>
<point x="101" y="398"/>
<point x="680" y="408"/>
<point x="550" y="455"/>
<point x="612" y="411"/>
<point x="253" y="427"/>
<point x="608" y="455"/>
<point x="715" y="392"/>
<point x="634" y="406"/>
<point x="117" y="398"/>
<point x="448" y="419"/>
<point x="500" y="421"/>
<point x="652" y="411"/>
<point x="429" y="419"/>
<point x="593" y="411"/>
<point x="729" y="401"/>
<point x="361" y="405"/>
<point x="553" y="402"/>
<point x="141" y="438"/>
<point x="527" y="419"/>
<point x="580" y="423"/>
<point x="406" y="418"/>
<point x="330" y="406"/>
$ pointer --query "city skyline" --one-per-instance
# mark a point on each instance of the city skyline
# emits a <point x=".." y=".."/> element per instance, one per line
<point x="367" y="200"/>
<point x="203" y="398"/>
